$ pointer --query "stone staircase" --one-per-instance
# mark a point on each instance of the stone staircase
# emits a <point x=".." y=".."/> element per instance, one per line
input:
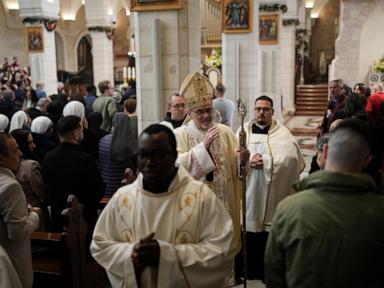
<point x="311" y="100"/>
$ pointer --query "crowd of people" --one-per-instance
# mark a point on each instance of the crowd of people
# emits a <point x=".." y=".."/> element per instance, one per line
<point x="173" y="218"/>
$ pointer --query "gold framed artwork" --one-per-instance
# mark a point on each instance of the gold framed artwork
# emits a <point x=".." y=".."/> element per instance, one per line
<point x="269" y="29"/>
<point x="35" y="39"/>
<point x="236" y="16"/>
<point x="155" y="5"/>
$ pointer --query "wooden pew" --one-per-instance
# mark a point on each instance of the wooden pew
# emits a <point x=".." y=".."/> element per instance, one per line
<point x="60" y="258"/>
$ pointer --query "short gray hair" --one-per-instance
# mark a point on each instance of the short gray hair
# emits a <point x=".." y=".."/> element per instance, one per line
<point x="9" y="94"/>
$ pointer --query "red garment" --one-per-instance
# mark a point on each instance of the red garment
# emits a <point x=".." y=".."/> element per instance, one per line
<point x="374" y="104"/>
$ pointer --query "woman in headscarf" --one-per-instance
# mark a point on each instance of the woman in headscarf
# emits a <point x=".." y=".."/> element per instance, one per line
<point x="20" y="120"/>
<point x="4" y="121"/>
<point x="41" y="129"/>
<point x="29" y="175"/>
<point x="117" y="152"/>
<point x="90" y="143"/>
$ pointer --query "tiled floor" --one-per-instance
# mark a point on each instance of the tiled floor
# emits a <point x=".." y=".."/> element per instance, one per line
<point x="305" y="132"/>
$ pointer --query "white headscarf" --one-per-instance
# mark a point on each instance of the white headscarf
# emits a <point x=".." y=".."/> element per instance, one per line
<point x="41" y="124"/>
<point x="18" y="120"/>
<point x="74" y="108"/>
<point x="4" y="121"/>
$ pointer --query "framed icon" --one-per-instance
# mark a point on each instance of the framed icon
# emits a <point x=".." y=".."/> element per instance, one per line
<point x="236" y="16"/>
<point x="269" y="29"/>
<point x="35" y="39"/>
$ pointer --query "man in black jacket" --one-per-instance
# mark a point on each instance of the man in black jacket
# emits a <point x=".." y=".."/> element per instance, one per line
<point x="68" y="170"/>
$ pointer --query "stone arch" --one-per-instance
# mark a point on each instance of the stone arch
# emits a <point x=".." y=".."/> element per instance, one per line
<point x="371" y="43"/>
<point x="61" y="62"/>
<point x="81" y="35"/>
<point x="347" y="45"/>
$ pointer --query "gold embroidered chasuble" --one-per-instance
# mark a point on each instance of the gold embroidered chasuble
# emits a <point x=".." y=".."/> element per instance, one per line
<point x="194" y="231"/>
<point x="220" y="159"/>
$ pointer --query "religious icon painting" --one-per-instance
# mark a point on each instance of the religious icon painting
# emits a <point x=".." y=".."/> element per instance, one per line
<point x="155" y="5"/>
<point x="269" y="29"/>
<point x="236" y="16"/>
<point x="35" y="39"/>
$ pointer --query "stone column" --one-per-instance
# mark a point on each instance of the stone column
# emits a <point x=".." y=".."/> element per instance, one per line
<point x="100" y="18"/>
<point x="288" y="42"/>
<point x="179" y="54"/>
<point x="42" y="61"/>
<point x="102" y="55"/>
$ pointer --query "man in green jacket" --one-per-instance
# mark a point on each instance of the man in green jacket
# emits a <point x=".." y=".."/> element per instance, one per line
<point x="105" y="104"/>
<point x="331" y="233"/>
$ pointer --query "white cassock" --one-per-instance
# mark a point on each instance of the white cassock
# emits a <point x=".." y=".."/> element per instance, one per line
<point x="8" y="275"/>
<point x="193" y="229"/>
<point x="220" y="159"/>
<point x="282" y="164"/>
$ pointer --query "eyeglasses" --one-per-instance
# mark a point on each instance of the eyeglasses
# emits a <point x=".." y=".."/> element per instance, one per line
<point x="178" y="106"/>
<point x="264" y="109"/>
<point x="201" y="112"/>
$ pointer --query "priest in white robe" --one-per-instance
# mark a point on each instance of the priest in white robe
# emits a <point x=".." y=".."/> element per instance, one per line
<point x="208" y="150"/>
<point x="165" y="229"/>
<point x="275" y="164"/>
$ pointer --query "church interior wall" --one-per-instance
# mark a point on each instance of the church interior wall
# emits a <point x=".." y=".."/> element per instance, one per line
<point x="371" y="42"/>
<point x="323" y="40"/>
<point x="12" y="29"/>
<point x="121" y="40"/>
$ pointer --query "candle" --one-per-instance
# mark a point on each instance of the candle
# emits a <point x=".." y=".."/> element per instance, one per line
<point x="129" y="73"/>
<point x="133" y="73"/>
<point x="124" y="72"/>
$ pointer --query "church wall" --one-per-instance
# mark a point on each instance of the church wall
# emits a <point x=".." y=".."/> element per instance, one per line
<point x="354" y="16"/>
<point x="12" y="29"/>
<point x="121" y="40"/>
<point x="71" y="32"/>
<point x="371" y="42"/>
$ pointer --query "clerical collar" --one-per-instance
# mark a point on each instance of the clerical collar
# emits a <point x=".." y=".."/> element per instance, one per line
<point x="260" y="129"/>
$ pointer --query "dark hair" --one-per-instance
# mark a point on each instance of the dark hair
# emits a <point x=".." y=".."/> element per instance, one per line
<point x="21" y="137"/>
<point x="220" y="88"/>
<point x="68" y="124"/>
<point x="130" y="105"/>
<point x="91" y="89"/>
<point x="4" y="137"/>
<point x="361" y="87"/>
<point x="34" y="98"/>
<point x="264" y="98"/>
<point x="158" y="128"/>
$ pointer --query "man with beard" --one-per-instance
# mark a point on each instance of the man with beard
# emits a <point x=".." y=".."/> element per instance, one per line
<point x="209" y="150"/>
<point x="275" y="164"/>
<point x="68" y="170"/>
